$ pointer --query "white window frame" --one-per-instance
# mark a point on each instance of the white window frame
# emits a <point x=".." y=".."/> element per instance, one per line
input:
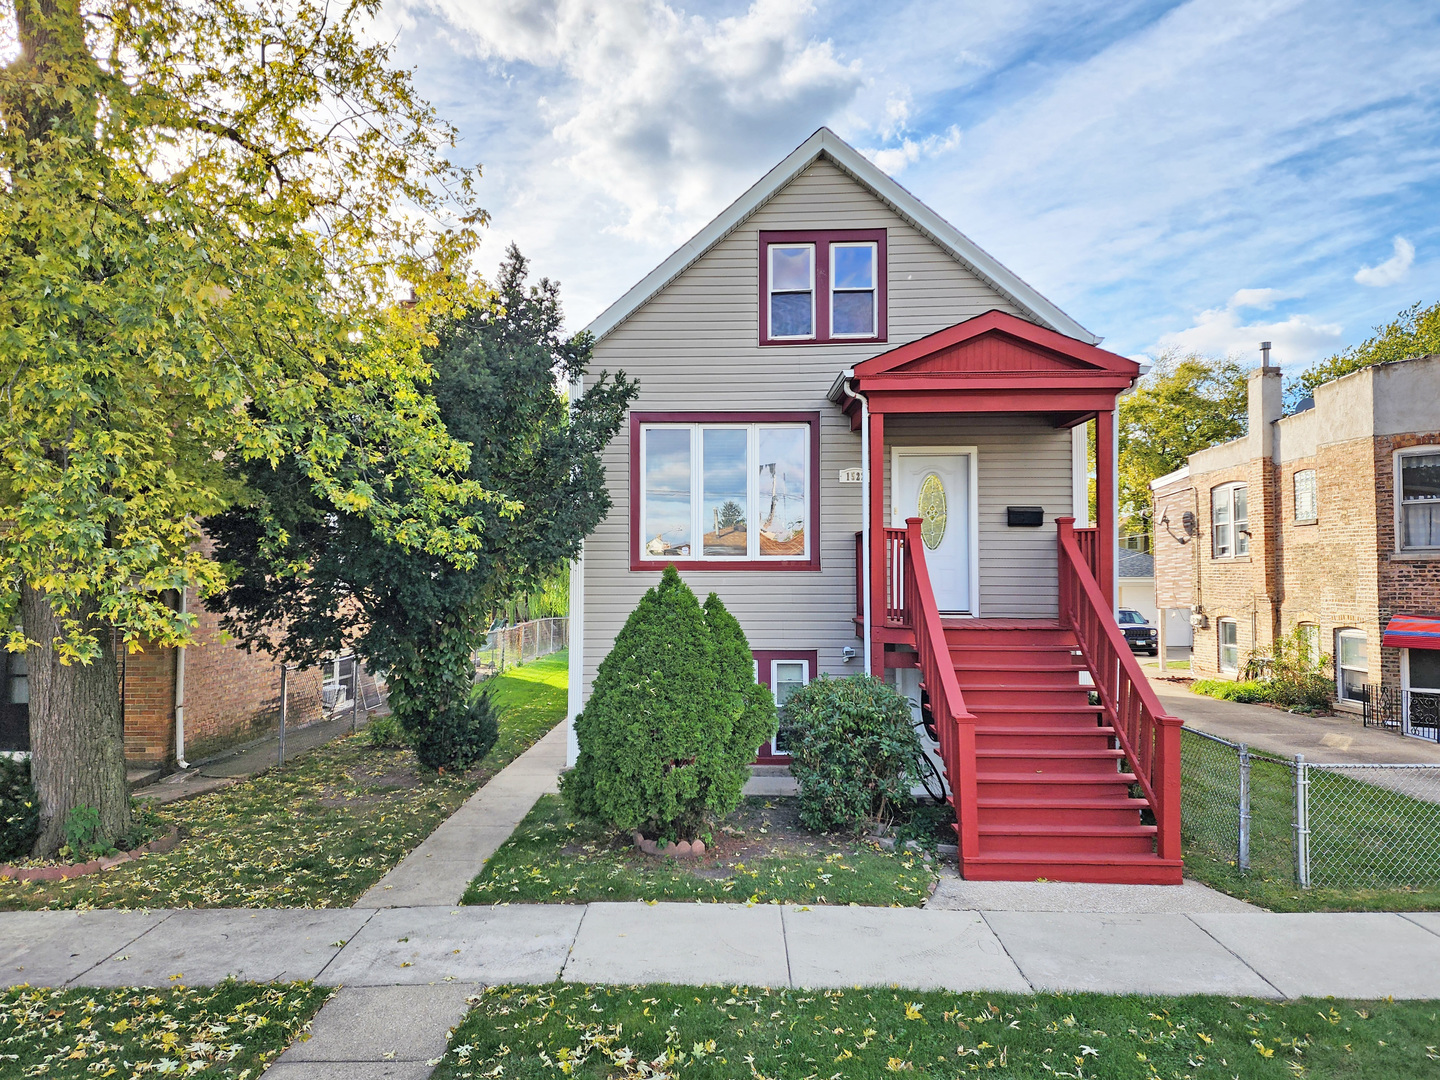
<point x="1220" y="625"/>
<point x="1399" y="478"/>
<point x="770" y="292"/>
<point x="1340" y="635"/>
<point x="804" y="662"/>
<point x="1314" y="495"/>
<point x="697" y="494"/>
<point x="1407" y="684"/>
<point x="1227" y="491"/>
<point x="1316" y="652"/>
<point x="874" y="289"/>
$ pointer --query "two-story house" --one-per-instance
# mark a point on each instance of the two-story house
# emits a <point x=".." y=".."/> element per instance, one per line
<point x="868" y="437"/>
<point x="1327" y="520"/>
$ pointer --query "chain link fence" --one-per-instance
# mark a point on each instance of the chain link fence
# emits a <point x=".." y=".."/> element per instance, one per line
<point x="519" y="644"/>
<point x="1334" y="826"/>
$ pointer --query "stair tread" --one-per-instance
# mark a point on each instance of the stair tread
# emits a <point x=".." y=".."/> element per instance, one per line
<point x="1048" y="707"/>
<point x="1043" y="729"/>
<point x="1049" y="752"/>
<point x="1000" y="829"/>
<point x="1036" y="802"/>
<point x="1016" y="667"/>
<point x="1055" y="778"/>
<point x="1025" y="687"/>
<point x="1061" y="857"/>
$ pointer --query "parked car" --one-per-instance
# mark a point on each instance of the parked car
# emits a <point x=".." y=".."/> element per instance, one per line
<point x="1139" y="634"/>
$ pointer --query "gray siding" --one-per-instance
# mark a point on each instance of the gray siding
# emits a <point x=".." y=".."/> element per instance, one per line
<point x="1021" y="461"/>
<point x="694" y="347"/>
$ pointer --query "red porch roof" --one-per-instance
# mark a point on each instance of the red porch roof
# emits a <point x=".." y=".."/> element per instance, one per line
<point x="994" y="362"/>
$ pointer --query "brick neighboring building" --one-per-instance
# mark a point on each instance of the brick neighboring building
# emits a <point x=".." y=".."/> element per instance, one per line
<point x="229" y="696"/>
<point x="1301" y="522"/>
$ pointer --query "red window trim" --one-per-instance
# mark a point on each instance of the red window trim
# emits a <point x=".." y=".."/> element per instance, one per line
<point x="767" y="754"/>
<point x="822" y="239"/>
<point x="722" y="565"/>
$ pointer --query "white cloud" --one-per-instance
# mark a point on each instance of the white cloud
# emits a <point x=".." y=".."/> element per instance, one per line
<point x="1298" y="339"/>
<point x="1393" y="270"/>
<point x="668" y="114"/>
<point x="893" y="159"/>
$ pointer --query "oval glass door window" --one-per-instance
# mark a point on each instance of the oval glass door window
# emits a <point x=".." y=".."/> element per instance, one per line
<point x="932" y="511"/>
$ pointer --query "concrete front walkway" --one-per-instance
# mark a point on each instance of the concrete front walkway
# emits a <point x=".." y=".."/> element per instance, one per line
<point x="1329" y="740"/>
<point x="1255" y="953"/>
<point x="438" y="871"/>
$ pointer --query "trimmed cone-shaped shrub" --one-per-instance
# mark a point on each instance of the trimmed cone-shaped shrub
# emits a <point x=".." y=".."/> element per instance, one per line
<point x="659" y="747"/>
<point x="753" y="707"/>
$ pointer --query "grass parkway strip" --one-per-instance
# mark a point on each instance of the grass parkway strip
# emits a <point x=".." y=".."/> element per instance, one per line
<point x="710" y="1033"/>
<point x="316" y="833"/>
<point x="231" y="1030"/>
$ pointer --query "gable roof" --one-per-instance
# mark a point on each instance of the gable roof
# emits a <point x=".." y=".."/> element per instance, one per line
<point x="825" y="143"/>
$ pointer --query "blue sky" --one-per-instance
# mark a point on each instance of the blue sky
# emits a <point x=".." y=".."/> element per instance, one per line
<point x="1198" y="175"/>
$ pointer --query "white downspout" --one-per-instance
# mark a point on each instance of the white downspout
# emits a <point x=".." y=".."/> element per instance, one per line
<point x="864" y="504"/>
<point x="180" y="697"/>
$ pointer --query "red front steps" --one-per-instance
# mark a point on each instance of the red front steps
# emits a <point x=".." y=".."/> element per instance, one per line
<point x="1053" y="802"/>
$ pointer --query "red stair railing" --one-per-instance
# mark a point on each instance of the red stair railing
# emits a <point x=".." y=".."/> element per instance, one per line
<point x="954" y="723"/>
<point x="896" y="595"/>
<point x="1088" y="541"/>
<point x="1148" y="734"/>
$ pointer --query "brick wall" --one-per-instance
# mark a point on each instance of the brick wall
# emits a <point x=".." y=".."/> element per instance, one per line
<point x="1404" y="584"/>
<point x="231" y="696"/>
<point x="1174" y="551"/>
<point x="1241" y="587"/>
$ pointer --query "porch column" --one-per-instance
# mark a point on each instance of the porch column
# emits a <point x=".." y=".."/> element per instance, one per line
<point x="1106" y="525"/>
<point x="878" y="572"/>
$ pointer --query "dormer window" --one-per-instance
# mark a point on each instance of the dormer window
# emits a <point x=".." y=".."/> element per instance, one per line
<point x="822" y="286"/>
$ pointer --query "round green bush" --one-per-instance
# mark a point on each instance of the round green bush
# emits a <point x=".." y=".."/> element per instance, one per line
<point x="671" y="727"/>
<point x="19" y="810"/>
<point x="853" y="751"/>
<point x="457" y="737"/>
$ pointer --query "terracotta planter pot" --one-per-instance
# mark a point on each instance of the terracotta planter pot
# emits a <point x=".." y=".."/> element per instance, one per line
<point x="682" y="850"/>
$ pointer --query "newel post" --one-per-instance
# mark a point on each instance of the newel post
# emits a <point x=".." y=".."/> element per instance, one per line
<point x="1167" y="786"/>
<point x="1065" y="531"/>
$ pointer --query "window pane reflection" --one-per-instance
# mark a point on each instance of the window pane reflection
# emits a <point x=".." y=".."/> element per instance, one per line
<point x="781" y="490"/>
<point x="667" y="491"/>
<point x="724" y="508"/>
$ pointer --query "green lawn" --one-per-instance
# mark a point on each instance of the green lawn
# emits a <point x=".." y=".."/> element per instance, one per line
<point x="709" y="1033"/>
<point x="316" y="833"/>
<point x="1353" y="825"/>
<point x="552" y="859"/>
<point x="232" y="1030"/>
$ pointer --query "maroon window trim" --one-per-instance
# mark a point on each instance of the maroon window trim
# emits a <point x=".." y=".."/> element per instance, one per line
<point x="721" y="565"/>
<point x="767" y="754"/>
<point x="822" y="240"/>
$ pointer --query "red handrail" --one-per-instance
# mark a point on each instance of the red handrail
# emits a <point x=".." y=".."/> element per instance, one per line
<point x="896" y="595"/>
<point x="1148" y="734"/>
<point x="954" y="723"/>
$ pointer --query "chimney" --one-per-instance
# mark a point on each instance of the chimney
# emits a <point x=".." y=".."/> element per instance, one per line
<point x="1265" y="404"/>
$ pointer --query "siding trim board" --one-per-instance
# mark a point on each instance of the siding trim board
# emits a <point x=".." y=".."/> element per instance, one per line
<point x="812" y="524"/>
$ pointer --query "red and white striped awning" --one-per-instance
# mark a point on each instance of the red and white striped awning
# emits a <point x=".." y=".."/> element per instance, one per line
<point x="1412" y="632"/>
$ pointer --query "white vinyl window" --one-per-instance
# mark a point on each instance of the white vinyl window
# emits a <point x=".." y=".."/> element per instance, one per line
<point x="786" y="676"/>
<point x="854" y="293"/>
<point x="1228" y="632"/>
<point x="1352" y="665"/>
<point x="724" y="491"/>
<point x="1306" y="504"/>
<point x="1229" y="521"/>
<point x="1419" y="475"/>
<point x="790" y="307"/>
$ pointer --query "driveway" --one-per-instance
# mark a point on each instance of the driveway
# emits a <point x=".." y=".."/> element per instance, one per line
<point x="1332" y="740"/>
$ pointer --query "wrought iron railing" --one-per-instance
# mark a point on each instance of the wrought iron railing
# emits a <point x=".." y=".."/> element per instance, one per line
<point x="1148" y="734"/>
<point x="1410" y="712"/>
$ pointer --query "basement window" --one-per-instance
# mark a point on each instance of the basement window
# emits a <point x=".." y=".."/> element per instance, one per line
<point x="1352" y="665"/>
<point x="1229" y="637"/>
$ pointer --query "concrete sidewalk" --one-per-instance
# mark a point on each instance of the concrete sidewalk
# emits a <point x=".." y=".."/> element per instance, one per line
<point x="1360" y="955"/>
<point x="1329" y="740"/>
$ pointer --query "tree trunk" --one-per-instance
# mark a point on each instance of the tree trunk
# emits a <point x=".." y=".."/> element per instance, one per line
<point x="77" y="732"/>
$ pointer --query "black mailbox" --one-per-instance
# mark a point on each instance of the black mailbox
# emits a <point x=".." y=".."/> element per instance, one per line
<point x="1025" y="516"/>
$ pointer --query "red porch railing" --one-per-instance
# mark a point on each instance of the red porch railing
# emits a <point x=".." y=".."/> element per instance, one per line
<point x="1149" y="736"/>
<point x="896" y="594"/>
<point x="954" y="723"/>
<point x="1088" y="540"/>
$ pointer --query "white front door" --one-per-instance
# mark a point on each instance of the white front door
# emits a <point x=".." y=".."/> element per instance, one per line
<point x="936" y="486"/>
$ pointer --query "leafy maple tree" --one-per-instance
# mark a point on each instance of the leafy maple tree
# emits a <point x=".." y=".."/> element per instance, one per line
<point x="210" y="207"/>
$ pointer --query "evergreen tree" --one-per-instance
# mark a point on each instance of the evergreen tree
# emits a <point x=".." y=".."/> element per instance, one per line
<point x="753" y="709"/>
